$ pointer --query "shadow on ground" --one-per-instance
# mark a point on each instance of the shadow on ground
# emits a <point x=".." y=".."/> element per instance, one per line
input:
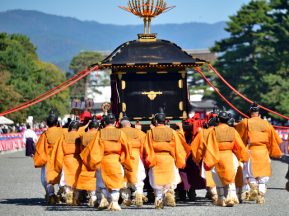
<point x="24" y="201"/>
<point x="62" y="207"/>
<point x="274" y="188"/>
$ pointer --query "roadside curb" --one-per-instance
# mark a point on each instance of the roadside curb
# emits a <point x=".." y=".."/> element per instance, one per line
<point x="11" y="151"/>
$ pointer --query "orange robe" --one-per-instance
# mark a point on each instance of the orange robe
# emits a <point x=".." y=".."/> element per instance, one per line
<point x="169" y="152"/>
<point x="71" y="157"/>
<point x="198" y="146"/>
<point x="263" y="143"/>
<point x="87" y="178"/>
<point x="226" y="141"/>
<point x="182" y="137"/>
<point x="135" y="138"/>
<point x="82" y="129"/>
<point x="46" y="148"/>
<point x="109" y="151"/>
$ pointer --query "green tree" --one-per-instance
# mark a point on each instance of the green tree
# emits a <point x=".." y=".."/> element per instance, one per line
<point x="25" y="76"/>
<point x="240" y="54"/>
<point x="275" y="58"/>
<point x="47" y="77"/>
<point x="81" y="62"/>
<point x="255" y="58"/>
<point x="8" y="94"/>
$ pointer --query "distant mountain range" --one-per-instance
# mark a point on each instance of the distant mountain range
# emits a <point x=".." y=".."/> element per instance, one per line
<point x="59" y="38"/>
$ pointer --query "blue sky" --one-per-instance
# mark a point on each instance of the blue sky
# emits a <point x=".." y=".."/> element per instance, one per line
<point x="106" y="11"/>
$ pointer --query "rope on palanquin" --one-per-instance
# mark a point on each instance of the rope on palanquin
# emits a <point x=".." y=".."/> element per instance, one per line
<point x="243" y="96"/>
<point x="47" y="92"/>
<point x="52" y="91"/>
<point x="226" y="100"/>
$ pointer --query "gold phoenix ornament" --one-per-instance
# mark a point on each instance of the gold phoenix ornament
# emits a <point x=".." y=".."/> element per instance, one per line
<point x="147" y="9"/>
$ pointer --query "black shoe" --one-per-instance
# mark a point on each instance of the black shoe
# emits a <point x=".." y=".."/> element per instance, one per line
<point x="192" y="195"/>
<point x="182" y="195"/>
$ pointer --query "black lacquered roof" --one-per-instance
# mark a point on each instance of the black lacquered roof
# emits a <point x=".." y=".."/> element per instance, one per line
<point x="158" y="52"/>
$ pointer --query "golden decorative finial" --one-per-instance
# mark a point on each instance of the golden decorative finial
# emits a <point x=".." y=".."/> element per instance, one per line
<point x="147" y="9"/>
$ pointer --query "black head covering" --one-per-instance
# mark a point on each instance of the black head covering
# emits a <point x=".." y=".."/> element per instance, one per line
<point x="160" y="117"/>
<point x="73" y="125"/>
<point x="223" y="117"/>
<point x="254" y="107"/>
<point x="94" y="123"/>
<point x="213" y="122"/>
<point x="153" y="122"/>
<point x="109" y="119"/>
<point x="52" y="118"/>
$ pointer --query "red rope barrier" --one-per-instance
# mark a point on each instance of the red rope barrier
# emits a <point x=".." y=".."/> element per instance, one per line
<point x="51" y="92"/>
<point x="243" y="96"/>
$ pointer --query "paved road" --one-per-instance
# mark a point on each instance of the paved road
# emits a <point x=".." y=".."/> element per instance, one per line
<point x="22" y="194"/>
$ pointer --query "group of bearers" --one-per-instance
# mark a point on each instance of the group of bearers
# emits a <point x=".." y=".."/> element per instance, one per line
<point x="110" y="162"/>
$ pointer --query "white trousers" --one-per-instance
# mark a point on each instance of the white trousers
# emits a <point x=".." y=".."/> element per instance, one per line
<point x="160" y="190"/>
<point x="49" y="188"/>
<point x="226" y="191"/>
<point x="141" y="175"/>
<point x="249" y="178"/>
<point x="215" y="174"/>
<point x="138" y="186"/>
<point x="62" y="182"/>
<point x="101" y="189"/>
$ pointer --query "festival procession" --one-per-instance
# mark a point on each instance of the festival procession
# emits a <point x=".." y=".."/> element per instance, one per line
<point x="149" y="145"/>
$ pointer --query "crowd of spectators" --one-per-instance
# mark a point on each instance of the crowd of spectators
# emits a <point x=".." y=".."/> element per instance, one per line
<point x="20" y="128"/>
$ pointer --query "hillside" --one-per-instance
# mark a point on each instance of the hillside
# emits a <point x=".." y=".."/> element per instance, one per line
<point x="58" y="38"/>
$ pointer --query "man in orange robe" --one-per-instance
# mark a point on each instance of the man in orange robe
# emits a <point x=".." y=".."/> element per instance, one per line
<point x="110" y="154"/>
<point x="136" y="140"/>
<point x="71" y="162"/>
<point x="44" y="156"/>
<point x="228" y="149"/>
<point x="169" y="155"/>
<point x="87" y="179"/>
<point x="263" y="142"/>
<point x="68" y="161"/>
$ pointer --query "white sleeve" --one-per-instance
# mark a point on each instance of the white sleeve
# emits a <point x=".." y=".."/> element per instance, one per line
<point x="35" y="137"/>
<point x="24" y="137"/>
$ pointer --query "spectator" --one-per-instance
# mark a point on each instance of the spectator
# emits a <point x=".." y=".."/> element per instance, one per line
<point x="29" y="138"/>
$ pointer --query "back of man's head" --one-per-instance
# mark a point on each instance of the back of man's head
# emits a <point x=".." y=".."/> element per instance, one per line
<point x="52" y="118"/>
<point x="109" y="119"/>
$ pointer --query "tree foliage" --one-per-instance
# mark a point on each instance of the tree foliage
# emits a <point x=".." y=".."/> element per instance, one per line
<point x="81" y="62"/>
<point x="24" y="76"/>
<point x="254" y="59"/>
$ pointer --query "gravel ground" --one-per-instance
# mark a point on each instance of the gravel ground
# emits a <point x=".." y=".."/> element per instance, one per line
<point x="21" y="193"/>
